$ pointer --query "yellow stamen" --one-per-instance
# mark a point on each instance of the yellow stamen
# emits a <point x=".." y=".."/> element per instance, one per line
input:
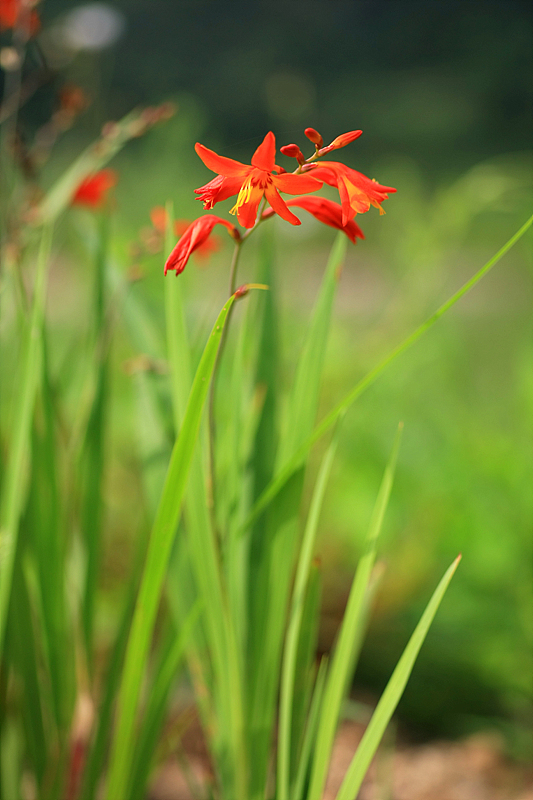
<point x="243" y="196"/>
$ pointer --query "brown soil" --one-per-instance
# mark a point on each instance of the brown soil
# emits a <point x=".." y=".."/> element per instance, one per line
<point x="474" y="769"/>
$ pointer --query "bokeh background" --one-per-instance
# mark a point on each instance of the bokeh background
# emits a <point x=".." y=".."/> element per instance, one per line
<point x="442" y="91"/>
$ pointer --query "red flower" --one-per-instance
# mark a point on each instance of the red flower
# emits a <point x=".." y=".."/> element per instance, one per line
<point x="92" y="192"/>
<point x="325" y="211"/>
<point x="252" y="182"/>
<point x="194" y="237"/>
<point x="14" y="12"/>
<point x="357" y="192"/>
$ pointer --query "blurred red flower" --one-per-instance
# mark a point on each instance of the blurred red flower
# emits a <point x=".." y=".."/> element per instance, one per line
<point x="18" y="12"/>
<point x="92" y="191"/>
<point x="252" y="182"/>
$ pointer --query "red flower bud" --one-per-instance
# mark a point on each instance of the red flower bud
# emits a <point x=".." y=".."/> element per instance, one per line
<point x="314" y="136"/>
<point x="293" y="151"/>
<point x="340" y="141"/>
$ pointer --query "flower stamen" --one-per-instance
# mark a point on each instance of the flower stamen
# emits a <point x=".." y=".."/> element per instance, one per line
<point x="243" y="196"/>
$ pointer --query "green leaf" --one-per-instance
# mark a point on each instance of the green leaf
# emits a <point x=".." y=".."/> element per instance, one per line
<point x="14" y="483"/>
<point x="289" y="671"/>
<point x="295" y="461"/>
<point x="350" y="635"/>
<point x="391" y="696"/>
<point x="157" y="558"/>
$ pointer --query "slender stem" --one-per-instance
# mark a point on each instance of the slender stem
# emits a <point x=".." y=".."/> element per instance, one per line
<point x="212" y="392"/>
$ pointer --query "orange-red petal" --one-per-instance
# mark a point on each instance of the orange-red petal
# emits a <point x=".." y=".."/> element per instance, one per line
<point x="279" y="205"/>
<point x="265" y="155"/>
<point x="296" y="184"/>
<point x="221" y="164"/>
<point x="329" y="213"/>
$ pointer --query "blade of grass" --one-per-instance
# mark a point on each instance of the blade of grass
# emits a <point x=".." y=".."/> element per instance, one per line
<point x="391" y="696"/>
<point x="298" y="457"/>
<point x="155" y="712"/>
<point x="276" y="536"/>
<point x="350" y="635"/>
<point x="93" y="454"/>
<point x="313" y="718"/>
<point x="156" y="563"/>
<point x="288" y="672"/>
<point x="303" y="402"/>
<point x="10" y="760"/>
<point x="218" y="627"/>
<point x="17" y="461"/>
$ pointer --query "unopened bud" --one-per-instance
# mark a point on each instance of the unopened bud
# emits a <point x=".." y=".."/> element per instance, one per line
<point x="293" y="151"/>
<point x="314" y="137"/>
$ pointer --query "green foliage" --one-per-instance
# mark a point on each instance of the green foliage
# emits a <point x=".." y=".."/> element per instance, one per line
<point x="226" y="581"/>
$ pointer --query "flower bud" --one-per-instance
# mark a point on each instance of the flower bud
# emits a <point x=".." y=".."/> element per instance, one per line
<point x="340" y="141"/>
<point x="314" y="137"/>
<point x="293" y="151"/>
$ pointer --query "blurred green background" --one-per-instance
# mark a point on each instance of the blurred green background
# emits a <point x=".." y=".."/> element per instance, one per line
<point x="442" y="93"/>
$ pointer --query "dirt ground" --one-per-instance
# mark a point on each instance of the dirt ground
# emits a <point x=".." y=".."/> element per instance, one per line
<point x="474" y="769"/>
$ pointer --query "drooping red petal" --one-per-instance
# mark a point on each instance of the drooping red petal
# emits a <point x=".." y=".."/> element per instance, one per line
<point x="296" y="184"/>
<point x="193" y="238"/>
<point x="221" y="164"/>
<point x="325" y="211"/>
<point x="329" y="213"/>
<point x="279" y="205"/>
<point x="265" y="155"/>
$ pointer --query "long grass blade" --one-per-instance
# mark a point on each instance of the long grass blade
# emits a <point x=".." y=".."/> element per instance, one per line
<point x="298" y="457"/>
<point x="288" y="672"/>
<point x="155" y="712"/>
<point x="18" y="458"/>
<point x="156" y="563"/>
<point x="391" y="696"/>
<point x="350" y="634"/>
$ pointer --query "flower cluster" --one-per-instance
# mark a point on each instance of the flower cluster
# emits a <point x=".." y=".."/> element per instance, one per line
<point x="260" y="183"/>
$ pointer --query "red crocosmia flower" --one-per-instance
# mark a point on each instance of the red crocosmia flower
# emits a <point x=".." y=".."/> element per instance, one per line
<point x="13" y="13"/>
<point x="325" y="211"/>
<point x="193" y="238"/>
<point x="252" y="182"/>
<point x="357" y="192"/>
<point x="92" y="192"/>
<point x="340" y="141"/>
